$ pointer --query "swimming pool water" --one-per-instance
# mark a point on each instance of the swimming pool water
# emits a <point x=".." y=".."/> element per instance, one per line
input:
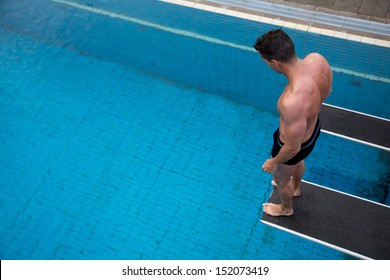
<point x="102" y="161"/>
<point x="208" y="51"/>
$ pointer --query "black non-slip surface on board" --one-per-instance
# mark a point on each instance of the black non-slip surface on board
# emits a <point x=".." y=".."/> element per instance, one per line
<point x="362" y="127"/>
<point x="352" y="225"/>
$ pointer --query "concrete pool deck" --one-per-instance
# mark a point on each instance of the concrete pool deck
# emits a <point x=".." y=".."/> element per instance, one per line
<point x="373" y="10"/>
<point x="369" y="18"/>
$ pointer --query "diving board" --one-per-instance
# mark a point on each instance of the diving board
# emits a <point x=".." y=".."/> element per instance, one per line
<point x="346" y="223"/>
<point x="355" y="125"/>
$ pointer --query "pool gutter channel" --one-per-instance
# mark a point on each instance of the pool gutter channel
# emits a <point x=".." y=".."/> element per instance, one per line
<point x="311" y="16"/>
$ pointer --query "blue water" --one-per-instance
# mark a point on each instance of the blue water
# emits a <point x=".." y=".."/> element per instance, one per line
<point x="102" y="160"/>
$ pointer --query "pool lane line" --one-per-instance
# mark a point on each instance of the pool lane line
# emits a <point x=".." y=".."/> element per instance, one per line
<point x="361" y="75"/>
<point x="153" y="25"/>
<point x="201" y="37"/>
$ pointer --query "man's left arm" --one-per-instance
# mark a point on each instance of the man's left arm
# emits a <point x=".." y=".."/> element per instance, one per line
<point x="294" y="129"/>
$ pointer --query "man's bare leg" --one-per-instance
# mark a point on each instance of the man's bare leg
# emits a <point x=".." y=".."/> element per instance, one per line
<point x="297" y="177"/>
<point x="282" y="177"/>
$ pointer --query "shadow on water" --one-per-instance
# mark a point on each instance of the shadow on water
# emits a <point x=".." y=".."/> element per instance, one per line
<point x="384" y="181"/>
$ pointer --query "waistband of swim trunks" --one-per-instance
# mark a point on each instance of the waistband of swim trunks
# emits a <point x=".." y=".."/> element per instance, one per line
<point x="310" y="141"/>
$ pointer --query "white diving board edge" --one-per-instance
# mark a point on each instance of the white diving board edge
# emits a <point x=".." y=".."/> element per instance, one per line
<point x="344" y="222"/>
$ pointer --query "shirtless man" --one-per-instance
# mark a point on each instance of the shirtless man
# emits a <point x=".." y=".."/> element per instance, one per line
<point x="309" y="83"/>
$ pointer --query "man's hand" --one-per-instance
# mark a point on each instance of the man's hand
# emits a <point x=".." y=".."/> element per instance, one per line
<point x="269" y="166"/>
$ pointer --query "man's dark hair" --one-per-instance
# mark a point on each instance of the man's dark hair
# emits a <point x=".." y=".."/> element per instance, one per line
<point x="275" y="44"/>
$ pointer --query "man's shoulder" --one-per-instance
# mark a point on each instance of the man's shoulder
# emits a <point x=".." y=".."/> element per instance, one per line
<point x="315" y="55"/>
<point x="316" y="61"/>
<point x="293" y="102"/>
<point x="303" y="86"/>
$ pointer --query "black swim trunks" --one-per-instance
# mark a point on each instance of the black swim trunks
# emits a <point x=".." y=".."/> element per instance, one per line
<point x="306" y="147"/>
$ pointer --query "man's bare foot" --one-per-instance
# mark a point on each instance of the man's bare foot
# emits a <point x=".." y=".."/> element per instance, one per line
<point x="297" y="191"/>
<point x="276" y="210"/>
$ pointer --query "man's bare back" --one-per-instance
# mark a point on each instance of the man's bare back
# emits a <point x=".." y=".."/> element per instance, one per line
<point x="306" y="92"/>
